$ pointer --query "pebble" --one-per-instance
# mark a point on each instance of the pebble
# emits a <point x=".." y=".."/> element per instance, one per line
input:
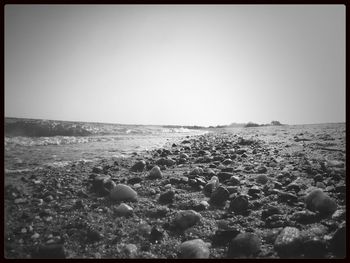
<point x="318" y="201"/>
<point x="203" y="205"/>
<point x="219" y="196"/>
<point x="123" y="210"/>
<point x="239" y="205"/>
<point x="122" y="192"/>
<point x="288" y="242"/>
<point x="195" y="248"/>
<point x="155" y="173"/>
<point x="186" y="218"/>
<point x="138" y="166"/>
<point x="227" y="161"/>
<point x="21" y="200"/>
<point x="167" y="197"/>
<point x="261" y="169"/>
<point x="244" y="245"/>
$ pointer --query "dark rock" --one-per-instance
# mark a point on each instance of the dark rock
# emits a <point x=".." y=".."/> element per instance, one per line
<point x="304" y="217"/>
<point x="254" y="190"/>
<point x="315" y="248"/>
<point x="261" y="179"/>
<point x="318" y="201"/>
<point x="134" y="180"/>
<point x="93" y="235"/>
<point x="244" y="245"/>
<point x="338" y="242"/>
<point x="139" y="166"/>
<point x="156" y="235"/>
<point x="287" y="197"/>
<point x="51" y="251"/>
<point x="211" y="186"/>
<point x="167" y="197"/>
<point x="223" y="176"/>
<point x="97" y="170"/>
<point x="197" y="171"/>
<point x="227" y="161"/>
<point x="288" y="243"/>
<point x="223" y="237"/>
<point x="219" y="196"/>
<point x="239" y="205"/>
<point x="234" y="180"/>
<point x="293" y="187"/>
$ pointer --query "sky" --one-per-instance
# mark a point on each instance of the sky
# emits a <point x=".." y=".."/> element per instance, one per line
<point x="176" y="64"/>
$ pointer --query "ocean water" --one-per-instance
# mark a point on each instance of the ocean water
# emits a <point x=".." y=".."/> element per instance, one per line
<point x="34" y="144"/>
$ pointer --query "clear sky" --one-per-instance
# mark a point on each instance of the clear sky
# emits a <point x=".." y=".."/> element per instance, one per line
<point x="176" y="64"/>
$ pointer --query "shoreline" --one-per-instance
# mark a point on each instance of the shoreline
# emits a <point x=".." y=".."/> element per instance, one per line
<point x="44" y="208"/>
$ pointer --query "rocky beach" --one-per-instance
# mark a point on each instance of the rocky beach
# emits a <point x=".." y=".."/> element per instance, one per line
<point x="260" y="192"/>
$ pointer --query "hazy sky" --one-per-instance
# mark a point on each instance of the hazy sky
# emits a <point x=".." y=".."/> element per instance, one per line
<point x="176" y="64"/>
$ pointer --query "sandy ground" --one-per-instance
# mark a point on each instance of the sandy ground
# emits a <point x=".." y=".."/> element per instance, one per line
<point x="62" y="212"/>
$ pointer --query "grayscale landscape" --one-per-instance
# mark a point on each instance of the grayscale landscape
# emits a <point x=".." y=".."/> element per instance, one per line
<point x="174" y="132"/>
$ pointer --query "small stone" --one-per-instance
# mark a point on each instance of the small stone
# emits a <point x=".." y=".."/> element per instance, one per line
<point x="254" y="190"/>
<point x="239" y="205"/>
<point x="272" y="210"/>
<point x="340" y="214"/>
<point x="195" y="248"/>
<point x="219" y="196"/>
<point x="122" y="192"/>
<point x="134" y="180"/>
<point x="318" y="201"/>
<point x="139" y="166"/>
<point x="288" y="242"/>
<point x="123" y="210"/>
<point x="144" y="229"/>
<point x="186" y="218"/>
<point x="23" y="230"/>
<point x="320" y="185"/>
<point x="244" y="245"/>
<point x="137" y="186"/>
<point x="167" y="197"/>
<point x="155" y="173"/>
<point x="287" y="197"/>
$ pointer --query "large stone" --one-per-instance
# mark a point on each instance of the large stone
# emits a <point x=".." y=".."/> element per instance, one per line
<point x="288" y="242"/>
<point x="186" y="218"/>
<point x="122" y="192"/>
<point x="223" y="176"/>
<point x="318" y="201"/>
<point x="167" y="197"/>
<point x="262" y="179"/>
<point x="195" y="248"/>
<point x="338" y="242"/>
<point x="244" y="245"/>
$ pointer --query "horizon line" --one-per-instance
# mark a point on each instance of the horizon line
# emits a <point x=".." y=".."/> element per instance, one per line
<point x="205" y="126"/>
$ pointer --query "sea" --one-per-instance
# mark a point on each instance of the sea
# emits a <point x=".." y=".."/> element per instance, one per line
<point x="36" y="144"/>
